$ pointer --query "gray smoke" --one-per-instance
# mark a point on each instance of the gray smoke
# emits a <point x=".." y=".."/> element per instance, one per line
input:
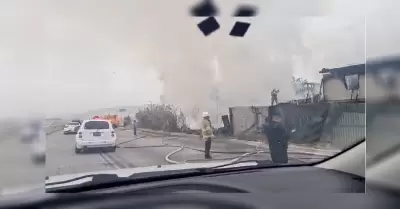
<point x="249" y="67"/>
<point x="117" y="44"/>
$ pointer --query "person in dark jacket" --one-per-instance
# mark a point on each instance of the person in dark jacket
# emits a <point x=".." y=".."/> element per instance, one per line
<point x="274" y="96"/>
<point x="134" y="128"/>
<point x="278" y="138"/>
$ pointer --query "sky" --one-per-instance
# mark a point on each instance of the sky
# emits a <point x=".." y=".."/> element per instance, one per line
<point x="61" y="57"/>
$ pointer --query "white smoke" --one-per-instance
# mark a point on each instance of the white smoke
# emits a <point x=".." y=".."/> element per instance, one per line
<point x="113" y="43"/>
<point x="249" y="68"/>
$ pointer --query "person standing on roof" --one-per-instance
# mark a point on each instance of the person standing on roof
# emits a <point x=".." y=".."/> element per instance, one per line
<point x="207" y="133"/>
<point x="274" y="96"/>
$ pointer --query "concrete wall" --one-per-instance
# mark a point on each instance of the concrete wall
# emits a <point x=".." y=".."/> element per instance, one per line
<point x="348" y="130"/>
<point x="244" y="121"/>
<point x="334" y="89"/>
<point x="336" y="124"/>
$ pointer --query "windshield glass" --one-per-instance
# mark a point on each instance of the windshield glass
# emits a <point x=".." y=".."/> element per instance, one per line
<point x="180" y="88"/>
<point x="73" y="124"/>
<point x="96" y="125"/>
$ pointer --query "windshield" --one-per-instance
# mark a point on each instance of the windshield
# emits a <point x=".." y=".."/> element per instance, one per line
<point x="73" y="124"/>
<point x="96" y="125"/>
<point x="178" y="88"/>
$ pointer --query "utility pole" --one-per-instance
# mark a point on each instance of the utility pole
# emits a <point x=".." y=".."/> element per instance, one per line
<point x="217" y="104"/>
<point x="217" y="80"/>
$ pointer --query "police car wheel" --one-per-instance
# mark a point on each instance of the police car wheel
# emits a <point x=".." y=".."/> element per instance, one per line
<point x="77" y="151"/>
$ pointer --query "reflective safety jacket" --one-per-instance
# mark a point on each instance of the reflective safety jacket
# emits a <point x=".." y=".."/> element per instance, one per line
<point x="206" y="129"/>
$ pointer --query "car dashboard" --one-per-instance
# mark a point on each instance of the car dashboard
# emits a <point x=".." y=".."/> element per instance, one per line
<point x="296" y="187"/>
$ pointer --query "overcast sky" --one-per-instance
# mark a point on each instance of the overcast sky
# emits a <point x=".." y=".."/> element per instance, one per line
<point x="69" y="56"/>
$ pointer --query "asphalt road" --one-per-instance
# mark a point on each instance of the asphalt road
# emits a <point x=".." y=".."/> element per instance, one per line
<point x="144" y="150"/>
<point x="17" y="168"/>
<point x="61" y="157"/>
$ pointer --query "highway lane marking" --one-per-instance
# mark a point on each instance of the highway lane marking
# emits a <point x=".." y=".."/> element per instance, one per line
<point x="120" y="160"/>
<point x="109" y="161"/>
<point x="116" y="160"/>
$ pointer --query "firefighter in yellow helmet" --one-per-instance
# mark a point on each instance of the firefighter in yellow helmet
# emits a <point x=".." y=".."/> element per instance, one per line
<point x="207" y="133"/>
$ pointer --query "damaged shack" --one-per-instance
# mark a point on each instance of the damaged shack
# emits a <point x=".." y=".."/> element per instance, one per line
<point x="332" y="121"/>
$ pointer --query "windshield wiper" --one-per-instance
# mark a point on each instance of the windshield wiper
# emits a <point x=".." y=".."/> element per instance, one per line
<point x="96" y="178"/>
<point x="100" y="181"/>
<point x="257" y="162"/>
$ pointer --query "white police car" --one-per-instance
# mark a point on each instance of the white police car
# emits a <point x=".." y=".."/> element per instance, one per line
<point x="95" y="133"/>
<point x="71" y="127"/>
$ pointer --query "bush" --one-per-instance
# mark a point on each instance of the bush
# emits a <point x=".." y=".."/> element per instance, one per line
<point x="161" y="117"/>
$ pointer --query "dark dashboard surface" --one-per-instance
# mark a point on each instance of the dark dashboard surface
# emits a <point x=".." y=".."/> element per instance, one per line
<point x="297" y="187"/>
<point x="291" y="179"/>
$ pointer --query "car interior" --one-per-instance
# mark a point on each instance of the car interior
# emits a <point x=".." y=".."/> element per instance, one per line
<point x="261" y="187"/>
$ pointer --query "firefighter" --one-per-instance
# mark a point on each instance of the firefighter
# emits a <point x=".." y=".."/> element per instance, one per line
<point x="206" y="133"/>
<point x="277" y="137"/>
<point x="274" y="96"/>
<point x="134" y="128"/>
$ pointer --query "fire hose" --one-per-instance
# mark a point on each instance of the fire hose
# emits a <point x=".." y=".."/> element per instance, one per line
<point x="180" y="147"/>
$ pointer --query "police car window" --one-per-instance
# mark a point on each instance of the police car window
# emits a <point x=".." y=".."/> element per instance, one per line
<point x="97" y="125"/>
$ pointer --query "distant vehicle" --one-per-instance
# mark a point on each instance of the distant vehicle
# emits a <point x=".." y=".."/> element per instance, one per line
<point x="71" y="127"/>
<point x="114" y="120"/>
<point x="78" y="121"/>
<point x="97" y="133"/>
<point x="127" y="121"/>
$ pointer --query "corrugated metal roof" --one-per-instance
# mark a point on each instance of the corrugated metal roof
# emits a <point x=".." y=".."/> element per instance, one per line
<point x="347" y="70"/>
<point x="371" y="67"/>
